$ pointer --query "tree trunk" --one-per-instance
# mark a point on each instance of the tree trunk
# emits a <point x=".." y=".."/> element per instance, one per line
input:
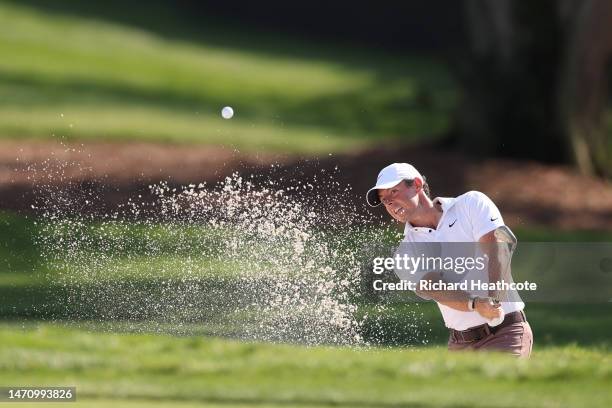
<point x="583" y="82"/>
<point x="535" y="82"/>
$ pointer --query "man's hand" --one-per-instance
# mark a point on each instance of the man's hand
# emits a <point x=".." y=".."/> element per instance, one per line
<point x="488" y="308"/>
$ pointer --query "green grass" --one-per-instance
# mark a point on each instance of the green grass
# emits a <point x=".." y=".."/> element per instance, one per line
<point x="553" y="324"/>
<point x="541" y="234"/>
<point x="75" y="77"/>
<point x="113" y="364"/>
<point x="118" y="368"/>
<point x="32" y="286"/>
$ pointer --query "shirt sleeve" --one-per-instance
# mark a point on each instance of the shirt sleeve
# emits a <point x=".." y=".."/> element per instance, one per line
<point x="412" y="266"/>
<point x="483" y="213"/>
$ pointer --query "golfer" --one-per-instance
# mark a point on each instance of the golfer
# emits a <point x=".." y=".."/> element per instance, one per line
<point x="472" y="319"/>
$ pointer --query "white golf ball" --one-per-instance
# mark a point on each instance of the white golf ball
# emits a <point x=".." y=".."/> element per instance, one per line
<point x="227" y="112"/>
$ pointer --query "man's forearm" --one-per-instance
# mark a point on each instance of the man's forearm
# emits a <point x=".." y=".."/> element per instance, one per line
<point x="498" y="256"/>
<point x="495" y="271"/>
<point x="461" y="300"/>
<point x="456" y="299"/>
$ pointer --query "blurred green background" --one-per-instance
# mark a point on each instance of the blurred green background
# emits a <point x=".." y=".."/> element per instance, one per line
<point x="117" y="82"/>
<point x="308" y="82"/>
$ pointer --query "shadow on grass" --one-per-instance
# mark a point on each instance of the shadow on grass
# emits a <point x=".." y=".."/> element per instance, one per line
<point x="176" y="21"/>
<point x="406" y="112"/>
<point x="403" y="98"/>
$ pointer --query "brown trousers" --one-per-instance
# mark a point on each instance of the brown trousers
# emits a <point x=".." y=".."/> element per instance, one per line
<point x="515" y="339"/>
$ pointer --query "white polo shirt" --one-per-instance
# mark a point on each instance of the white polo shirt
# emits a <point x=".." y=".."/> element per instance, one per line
<point x="464" y="219"/>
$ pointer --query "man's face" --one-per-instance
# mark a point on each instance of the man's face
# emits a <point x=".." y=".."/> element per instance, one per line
<point x="400" y="201"/>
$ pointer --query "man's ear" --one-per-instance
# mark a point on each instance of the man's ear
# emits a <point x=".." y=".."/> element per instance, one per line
<point x="418" y="184"/>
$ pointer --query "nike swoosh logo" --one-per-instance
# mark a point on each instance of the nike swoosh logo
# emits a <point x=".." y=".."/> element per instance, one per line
<point x="493" y="219"/>
<point x="451" y="225"/>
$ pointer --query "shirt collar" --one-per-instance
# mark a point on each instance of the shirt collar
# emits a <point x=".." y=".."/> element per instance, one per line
<point x="445" y="202"/>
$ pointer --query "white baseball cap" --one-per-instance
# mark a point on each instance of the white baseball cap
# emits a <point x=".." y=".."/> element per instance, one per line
<point x="389" y="177"/>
